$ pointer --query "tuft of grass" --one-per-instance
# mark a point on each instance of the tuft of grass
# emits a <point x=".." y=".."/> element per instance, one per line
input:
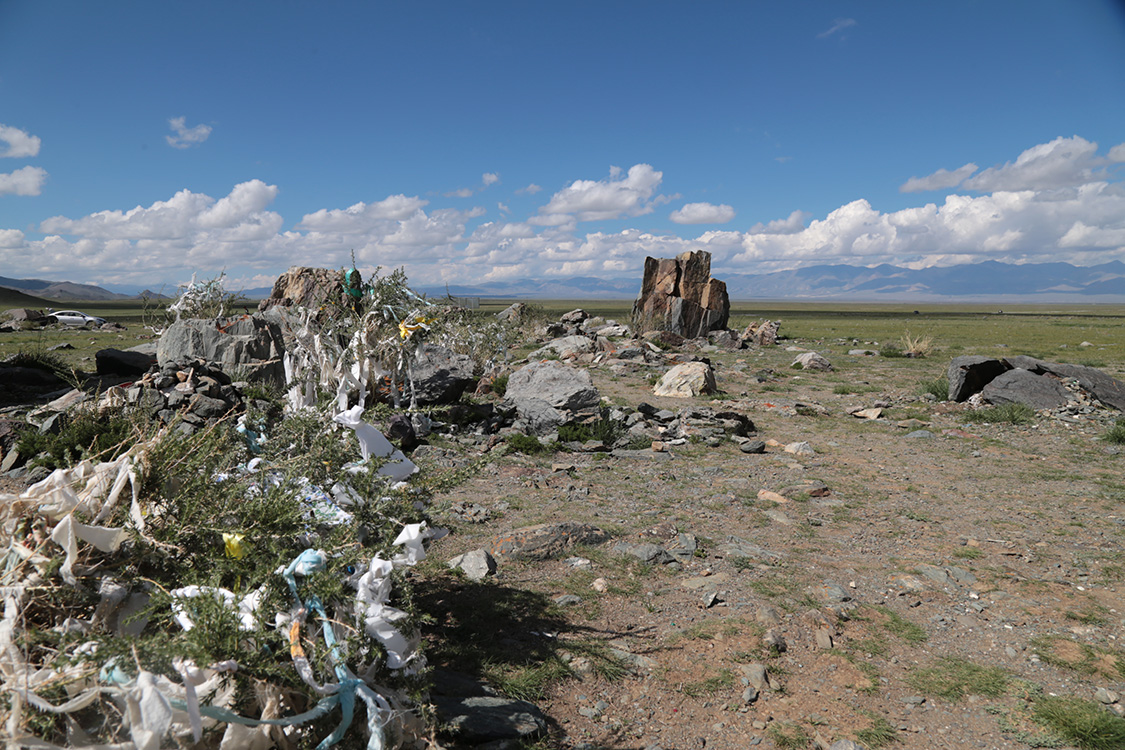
<point x="1065" y="652"/>
<point x="709" y="685"/>
<point x="880" y="734"/>
<point x="898" y="625"/>
<point x="953" y="678"/>
<point x="1003" y="414"/>
<point x="937" y="387"/>
<point x="916" y="346"/>
<point x="788" y="736"/>
<point x="605" y="430"/>
<point x="1116" y="433"/>
<point x="1082" y="723"/>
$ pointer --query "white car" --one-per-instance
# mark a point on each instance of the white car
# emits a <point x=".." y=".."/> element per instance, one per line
<point x="74" y="318"/>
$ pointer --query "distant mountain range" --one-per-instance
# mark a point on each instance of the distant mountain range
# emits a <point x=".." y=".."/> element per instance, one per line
<point x="1031" y="282"/>
<point x="68" y="291"/>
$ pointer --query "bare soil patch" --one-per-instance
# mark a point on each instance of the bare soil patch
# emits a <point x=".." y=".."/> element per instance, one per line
<point x="966" y="540"/>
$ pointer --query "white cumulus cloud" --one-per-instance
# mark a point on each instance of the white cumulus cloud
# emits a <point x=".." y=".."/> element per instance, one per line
<point x="795" y="222"/>
<point x="1070" y="208"/>
<point x="362" y="217"/>
<point x="24" y="181"/>
<point x="702" y="213"/>
<point x="489" y="178"/>
<point x="20" y="145"/>
<point x="943" y="179"/>
<point x="1063" y="162"/>
<point x="186" y="137"/>
<point x="629" y="194"/>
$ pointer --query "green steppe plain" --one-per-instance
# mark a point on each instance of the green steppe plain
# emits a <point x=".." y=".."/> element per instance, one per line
<point x="1053" y="331"/>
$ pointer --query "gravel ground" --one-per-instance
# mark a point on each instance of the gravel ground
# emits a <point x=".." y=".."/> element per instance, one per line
<point x="941" y="555"/>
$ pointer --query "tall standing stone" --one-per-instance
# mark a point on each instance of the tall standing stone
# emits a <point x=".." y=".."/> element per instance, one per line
<point x="679" y="295"/>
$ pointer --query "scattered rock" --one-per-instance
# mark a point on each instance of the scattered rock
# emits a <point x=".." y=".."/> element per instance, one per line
<point x="482" y="719"/>
<point x="686" y="381"/>
<point x="476" y="564"/>
<point x="545" y="541"/>
<point x="811" y="361"/>
<point x="801" y="448"/>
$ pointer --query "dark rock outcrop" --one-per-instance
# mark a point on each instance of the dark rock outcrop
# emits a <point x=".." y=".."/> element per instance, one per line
<point x="679" y="295"/>
<point x="969" y="374"/>
<point x="250" y="345"/>
<point x="305" y="287"/>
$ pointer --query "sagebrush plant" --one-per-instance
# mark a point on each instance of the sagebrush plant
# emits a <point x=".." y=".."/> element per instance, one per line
<point x="213" y="509"/>
<point x="88" y="435"/>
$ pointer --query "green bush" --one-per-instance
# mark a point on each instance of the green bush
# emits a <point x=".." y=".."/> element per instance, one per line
<point x="605" y="430"/>
<point x="89" y="435"/>
<point x="500" y="384"/>
<point x="891" y="351"/>
<point x="527" y="444"/>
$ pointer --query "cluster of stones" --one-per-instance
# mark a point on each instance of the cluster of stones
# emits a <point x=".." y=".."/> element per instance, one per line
<point x="197" y="394"/>
<point x="1060" y="390"/>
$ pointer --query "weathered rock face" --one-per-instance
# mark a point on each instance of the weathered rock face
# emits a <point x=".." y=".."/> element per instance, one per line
<point x="968" y="374"/>
<point x="547" y="394"/>
<point x="679" y="295"/>
<point x="305" y="287"/>
<point x="440" y="375"/>
<point x="1031" y="381"/>
<point x="1025" y="387"/>
<point x="250" y="345"/>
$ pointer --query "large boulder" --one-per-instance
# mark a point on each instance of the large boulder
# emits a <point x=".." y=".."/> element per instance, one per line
<point x="969" y="374"/>
<point x="440" y="375"/>
<point x="25" y="315"/>
<point x="250" y="347"/>
<point x="128" y="362"/>
<point x="547" y="394"/>
<point x="1019" y="386"/>
<point x="679" y="295"/>
<point x="305" y="287"/>
<point x="1105" y="388"/>
<point x="566" y="347"/>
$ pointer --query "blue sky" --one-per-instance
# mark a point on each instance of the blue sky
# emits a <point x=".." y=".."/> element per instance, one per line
<point x="467" y="141"/>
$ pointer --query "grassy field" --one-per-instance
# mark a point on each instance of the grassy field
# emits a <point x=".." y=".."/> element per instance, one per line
<point x="1055" y="332"/>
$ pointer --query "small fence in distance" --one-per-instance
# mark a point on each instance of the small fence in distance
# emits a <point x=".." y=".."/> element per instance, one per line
<point x="469" y="303"/>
